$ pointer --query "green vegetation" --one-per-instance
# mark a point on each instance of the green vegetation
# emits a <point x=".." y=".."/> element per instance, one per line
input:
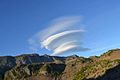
<point x="24" y="71"/>
<point x="109" y="52"/>
<point x="82" y="73"/>
<point x="52" y="69"/>
<point x="117" y="60"/>
<point x="90" y="69"/>
<point x="74" y="68"/>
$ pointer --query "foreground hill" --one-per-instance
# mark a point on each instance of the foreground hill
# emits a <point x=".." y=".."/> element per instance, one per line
<point x="45" y="67"/>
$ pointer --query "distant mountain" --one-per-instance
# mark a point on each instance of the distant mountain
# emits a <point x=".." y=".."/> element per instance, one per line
<point x="45" y="67"/>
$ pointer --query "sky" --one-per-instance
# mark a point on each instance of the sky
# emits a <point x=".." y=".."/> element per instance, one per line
<point x="22" y="19"/>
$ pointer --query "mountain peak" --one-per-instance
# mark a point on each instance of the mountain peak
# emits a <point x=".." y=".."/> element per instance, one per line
<point x="111" y="54"/>
<point x="45" y="67"/>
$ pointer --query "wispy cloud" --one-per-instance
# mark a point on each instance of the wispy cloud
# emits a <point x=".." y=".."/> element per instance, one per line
<point x="71" y="46"/>
<point x="61" y="38"/>
<point x="63" y="34"/>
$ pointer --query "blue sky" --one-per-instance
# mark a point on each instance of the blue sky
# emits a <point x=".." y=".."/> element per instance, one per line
<point x="21" y="19"/>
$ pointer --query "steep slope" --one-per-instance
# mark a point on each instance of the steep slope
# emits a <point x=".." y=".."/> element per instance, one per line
<point x="111" y="54"/>
<point x="9" y="62"/>
<point x="32" y="71"/>
<point x="98" y="69"/>
<point x="73" y="65"/>
<point x="35" y="58"/>
<point x="45" y="67"/>
<point x="6" y="63"/>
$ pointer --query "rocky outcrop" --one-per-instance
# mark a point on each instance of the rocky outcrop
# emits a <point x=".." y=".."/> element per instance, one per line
<point x="45" y="67"/>
<point x="35" y="58"/>
<point x="9" y="62"/>
<point x="32" y="71"/>
<point x="6" y="63"/>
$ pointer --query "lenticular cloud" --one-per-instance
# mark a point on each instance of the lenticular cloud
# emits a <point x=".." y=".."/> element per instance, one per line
<point x="63" y="35"/>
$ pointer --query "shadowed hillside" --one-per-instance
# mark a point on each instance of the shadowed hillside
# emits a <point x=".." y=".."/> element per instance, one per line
<point x="110" y="74"/>
<point x="45" y="67"/>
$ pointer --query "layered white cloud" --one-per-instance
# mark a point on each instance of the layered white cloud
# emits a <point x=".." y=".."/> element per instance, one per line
<point x="71" y="46"/>
<point x="61" y="36"/>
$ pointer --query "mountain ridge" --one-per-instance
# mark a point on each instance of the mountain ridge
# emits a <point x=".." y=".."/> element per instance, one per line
<point x="45" y="67"/>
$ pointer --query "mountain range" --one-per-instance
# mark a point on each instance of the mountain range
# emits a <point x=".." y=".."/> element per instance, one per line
<point x="45" y="67"/>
